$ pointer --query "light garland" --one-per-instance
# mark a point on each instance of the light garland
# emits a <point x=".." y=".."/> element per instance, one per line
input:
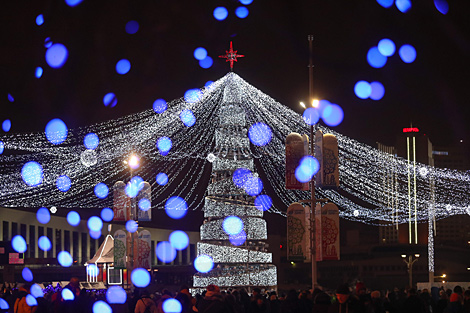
<point x="230" y="254"/>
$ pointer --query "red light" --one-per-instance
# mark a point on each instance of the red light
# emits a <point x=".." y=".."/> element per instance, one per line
<point x="280" y="246"/>
<point x="411" y="130"/>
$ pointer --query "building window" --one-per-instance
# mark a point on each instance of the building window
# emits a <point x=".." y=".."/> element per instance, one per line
<point x="84" y="248"/>
<point x="50" y="253"/>
<point x="6" y="229"/>
<point x="14" y="229"/>
<point x="184" y="255"/>
<point x="32" y="241"/>
<point x="192" y="252"/>
<point x="67" y="240"/>
<point x="40" y="234"/>
<point x="58" y="241"/>
<point x="75" y="245"/>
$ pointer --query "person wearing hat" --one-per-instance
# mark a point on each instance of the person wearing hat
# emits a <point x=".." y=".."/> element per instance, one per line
<point x="343" y="303"/>
<point x="213" y="302"/>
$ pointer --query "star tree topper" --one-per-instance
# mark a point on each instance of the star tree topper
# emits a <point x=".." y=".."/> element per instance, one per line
<point x="231" y="56"/>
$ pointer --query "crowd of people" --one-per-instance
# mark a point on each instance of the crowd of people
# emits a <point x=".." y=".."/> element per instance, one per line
<point x="344" y="299"/>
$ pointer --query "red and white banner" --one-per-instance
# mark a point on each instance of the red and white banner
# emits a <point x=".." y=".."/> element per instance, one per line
<point x="327" y="232"/>
<point x="143" y="256"/>
<point x="120" y="250"/>
<point x="121" y="202"/>
<point x="144" y="199"/>
<point x="298" y="235"/>
<point x="296" y="149"/>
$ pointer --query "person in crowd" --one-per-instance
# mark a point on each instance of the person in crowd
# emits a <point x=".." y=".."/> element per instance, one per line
<point x="145" y="304"/>
<point x="213" y="302"/>
<point x="344" y="303"/>
<point x="321" y="301"/>
<point x="274" y="303"/>
<point x="376" y="304"/>
<point x="466" y="301"/>
<point x="291" y="303"/>
<point x="442" y="303"/>
<point x="186" y="299"/>
<point x="21" y="306"/>
<point x="413" y="303"/>
<point x="259" y="304"/>
<point x="456" y="301"/>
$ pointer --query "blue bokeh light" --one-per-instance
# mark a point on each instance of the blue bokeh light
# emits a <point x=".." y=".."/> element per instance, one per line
<point x="73" y="218"/>
<point x="232" y="225"/>
<point x="172" y="306"/>
<point x="403" y="5"/>
<point x="116" y="294"/>
<point x="164" y="145"/>
<point x="44" y="243"/>
<point x="208" y="84"/>
<point x="220" y="13"/>
<point x="140" y="277"/>
<point x="101" y="190"/>
<point x="165" y="252"/>
<point x="92" y="270"/>
<point x="311" y="116"/>
<point x="32" y="173"/>
<point x="67" y="294"/>
<point x="132" y="226"/>
<point x="200" y="53"/>
<point x="377" y="91"/>
<point x="36" y="291"/>
<point x="179" y="240"/>
<point x="263" y="202"/>
<point x="56" y="55"/>
<point x="375" y="58"/>
<point x="38" y="72"/>
<point x="238" y="239"/>
<point x="43" y="215"/>
<point x="47" y="42"/>
<point x="95" y="234"/>
<point x="31" y="301"/>
<point x="3" y="304"/>
<point x="307" y="168"/>
<point x="385" y="3"/>
<point x="386" y="47"/>
<point x="187" y="117"/>
<point x="110" y="100"/>
<point x="123" y="66"/>
<point x="241" y="12"/>
<point x="206" y="62"/>
<point x="144" y="204"/>
<point x="56" y="131"/>
<point x="64" y="258"/>
<point x="95" y="223"/>
<point x="2" y="147"/>
<point x="176" y="207"/>
<point x="73" y="3"/>
<point x="362" y="89"/>
<point x="260" y="134"/>
<point x="246" y="2"/>
<point x="253" y="186"/>
<point x="91" y="141"/>
<point x="192" y="95"/>
<point x="101" y="307"/>
<point x="442" y="6"/>
<point x="10" y="98"/>
<point x="203" y="263"/>
<point x="63" y="183"/>
<point x="132" y="189"/>
<point x="333" y="115"/>
<point x="407" y="53"/>
<point x="162" y="179"/>
<point x="39" y="19"/>
<point x="6" y="125"/>
<point x="159" y="106"/>
<point x="107" y="214"/>
<point x="240" y="176"/>
<point x="132" y="27"/>
<point x="27" y="274"/>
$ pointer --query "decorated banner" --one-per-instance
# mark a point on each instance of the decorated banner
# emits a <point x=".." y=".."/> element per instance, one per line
<point x="121" y="202"/>
<point x="296" y="149"/>
<point x="144" y="202"/>
<point x="132" y="249"/>
<point x="120" y="249"/>
<point x="327" y="232"/>
<point x="319" y="156"/>
<point x="330" y="164"/>
<point x="297" y="233"/>
<point x="144" y="247"/>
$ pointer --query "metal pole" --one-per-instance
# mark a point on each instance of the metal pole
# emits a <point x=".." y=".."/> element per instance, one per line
<point x="410" y="272"/>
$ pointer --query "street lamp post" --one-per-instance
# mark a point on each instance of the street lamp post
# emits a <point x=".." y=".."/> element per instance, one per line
<point x="134" y="163"/>
<point x="410" y="260"/>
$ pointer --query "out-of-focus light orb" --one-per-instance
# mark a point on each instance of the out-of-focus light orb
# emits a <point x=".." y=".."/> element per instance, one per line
<point x="200" y="53"/>
<point x="385" y="3"/>
<point x="164" y="145"/>
<point x="263" y="202"/>
<point x="53" y="209"/>
<point x="144" y="204"/>
<point x="375" y="58"/>
<point x="73" y="218"/>
<point x="211" y="157"/>
<point x="95" y="234"/>
<point x="232" y="225"/>
<point x="442" y="6"/>
<point x="73" y="3"/>
<point x="311" y="116"/>
<point x="356" y="213"/>
<point x="240" y="176"/>
<point x="208" y="84"/>
<point x="88" y="158"/>
<point x="123" y="66"/>
<point x="253" y="186"/>
<point x="260" y="134"/>
<point x="238" y="239"/>
<point x="43" y="216"/>
<point x="63" y="183"/>
<point x="134" y="161"/>
<point x="107" y="214"/>
<point x="187" y="117"/>
<point x="56" y="131"/>
<point x="307" y="168"/>
<point x="386" y="47"/>
<point x="32" y="173"/>
<point x="192" y="95"/>
<point x="176" y="207"/>
<point x="101" y="307"/>
<point x="27" y="274"/>
<point x="132" y="190"/>
<point x="220" y="13"/>
<point x="162" y="179"/>
<point x="179" y="240"/>
<point x="132" y="226"/>
<point x="64" y="258"/>
<point x="203" y="263"/>
<point x="39" y="19"/>
<point x="91" y="141"/>
<point x="56" y="55"/>
<point x="31" y="301"/>
<point x="116" y="294"/>
<point x="423" y="171"/>
<point x="2" y="147"/>
<point x="333" y="115"/>
<point x="246" y="2"/>
<point x="3" y="304"/>
<point x="377" y="91"/>
<point x="172" y="306"/>
<point x="407" y="53"/>
<point x="101" y="190"/>
<point x="362" y="89"/>
<point x="403" y="5"/>
<point x="241" y="12"/>
<point x="95" y="223"/>
<point x="165" y="252"/>
<point x="44" y="243"/>
<point x="38" y="72"/>
<point x="110" y="100"/>
<point x="159" y="106"/>
<point x="92" y="270"/>
<point x="140" y="277"/>
<point x="206" y="62"/>
<point x="47" y="42"/>
<point x="132" y="27"/>
<point x="36" y="291"/>
<point x="6" y="125"/>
